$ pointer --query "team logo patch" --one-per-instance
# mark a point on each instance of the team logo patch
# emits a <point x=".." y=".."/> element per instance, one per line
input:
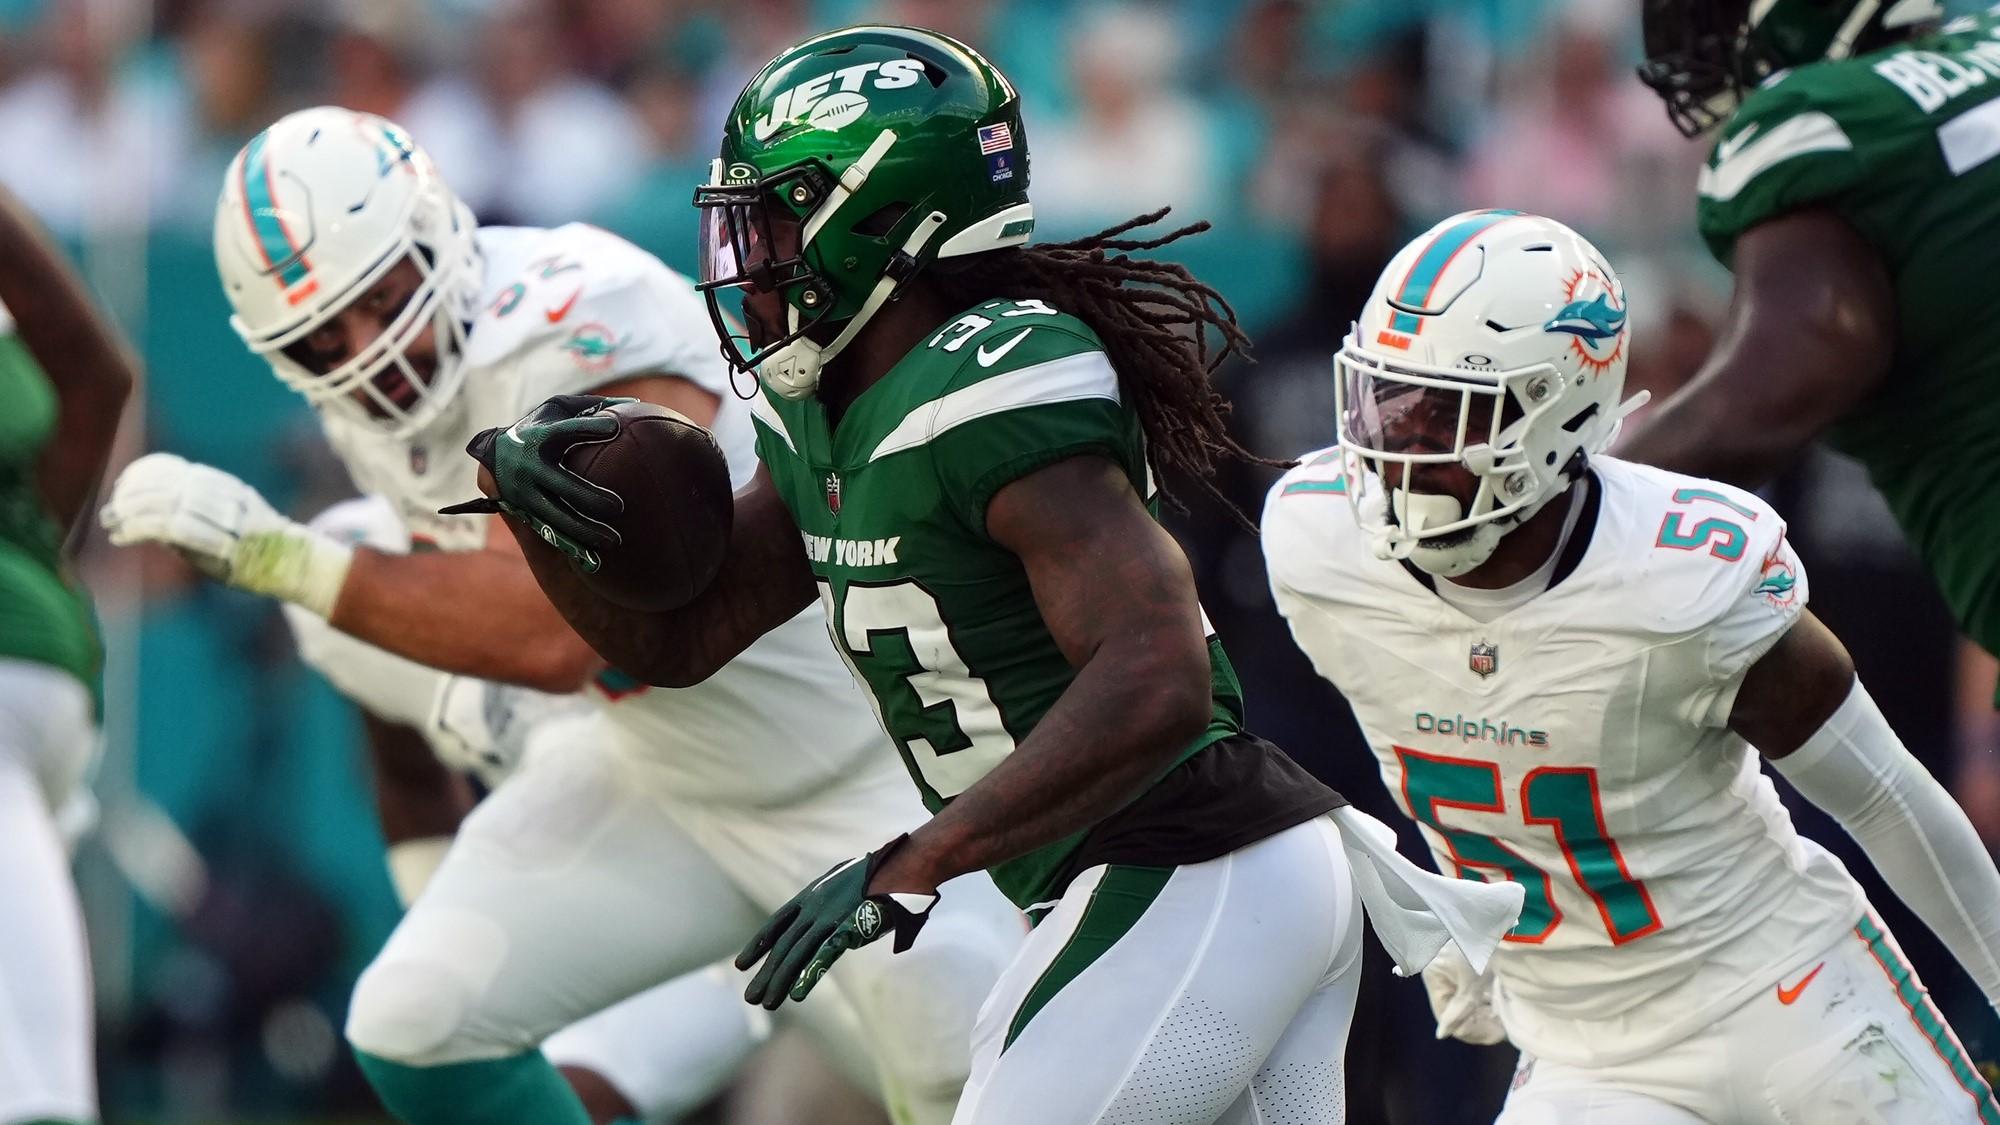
<point x="868" y="920"/>
<point x="1780" y="584"/>
<point x="997" y="137"/>
<point x="833" y="493"/>
<point x="593" y="347"/>
<point x="1484" y="660"/>
<point x="1593" y="319"/>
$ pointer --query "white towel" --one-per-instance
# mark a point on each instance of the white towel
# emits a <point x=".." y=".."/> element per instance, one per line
<point x="1414" y="911"/>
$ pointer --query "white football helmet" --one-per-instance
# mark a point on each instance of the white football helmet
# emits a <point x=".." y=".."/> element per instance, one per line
<point x="314" y="211"/>
<point x="1496" y="341"/>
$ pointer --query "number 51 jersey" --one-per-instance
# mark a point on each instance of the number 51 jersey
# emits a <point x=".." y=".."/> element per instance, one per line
<point x="1578" y="744"/>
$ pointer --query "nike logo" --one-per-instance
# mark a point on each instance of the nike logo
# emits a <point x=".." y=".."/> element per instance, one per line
<point x="513" y="433"/>
<point x="988" y="358"/>
<point x="1787" y="995"/>
<point x="556" y="314"/>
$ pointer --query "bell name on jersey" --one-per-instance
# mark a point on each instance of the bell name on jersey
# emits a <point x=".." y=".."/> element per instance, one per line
<point x="1901" y="144"/>
<point x="1578" y="744"/>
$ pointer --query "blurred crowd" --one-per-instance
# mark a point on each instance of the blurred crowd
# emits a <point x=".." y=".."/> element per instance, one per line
<point x="1316" y="136"/>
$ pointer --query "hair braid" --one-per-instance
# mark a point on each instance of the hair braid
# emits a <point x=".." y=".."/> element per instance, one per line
<point x="1141" y="308"/>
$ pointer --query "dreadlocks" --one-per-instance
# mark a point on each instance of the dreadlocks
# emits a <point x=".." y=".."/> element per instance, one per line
<point x="1136" y="306"/>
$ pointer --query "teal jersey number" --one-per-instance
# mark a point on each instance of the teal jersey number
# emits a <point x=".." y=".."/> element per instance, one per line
<point x="1562" y="799"/>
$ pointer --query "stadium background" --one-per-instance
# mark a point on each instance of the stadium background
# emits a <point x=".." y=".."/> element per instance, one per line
<point x="237" y="887"/>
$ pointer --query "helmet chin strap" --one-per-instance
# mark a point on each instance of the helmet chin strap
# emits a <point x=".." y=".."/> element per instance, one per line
<point x="793" y="371"/>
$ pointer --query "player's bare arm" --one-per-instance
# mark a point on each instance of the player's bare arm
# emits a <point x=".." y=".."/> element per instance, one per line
<point x="1118" y="597"/>
<point x="1789" y="693"/>
<point x="91" y="368"/>
<point x="480" y="613"/>
<point x="1810" y="333"/>
<point x="764" y="582"/>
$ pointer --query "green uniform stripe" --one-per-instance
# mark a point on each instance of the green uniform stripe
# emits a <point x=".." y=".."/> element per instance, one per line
<point x="1120" y="900"/>
<point x="1918" y="1001"/>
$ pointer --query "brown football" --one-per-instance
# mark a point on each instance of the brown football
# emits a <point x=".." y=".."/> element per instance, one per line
<point x="674" y="531"/>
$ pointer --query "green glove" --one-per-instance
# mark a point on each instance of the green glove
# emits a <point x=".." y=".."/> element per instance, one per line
<point x="570" y="513"/>
<point x="834" y="914"/>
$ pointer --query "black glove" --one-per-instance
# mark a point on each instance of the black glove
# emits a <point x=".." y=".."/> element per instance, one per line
<point x="570" y="513"/>
<point x="834" y="914"/>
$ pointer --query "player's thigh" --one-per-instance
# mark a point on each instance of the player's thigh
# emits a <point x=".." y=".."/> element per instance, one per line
<point x="46" y="726"/>
<point x="1155" y="994"/>
<point x="567" y="890"/>
<point x="45" y="1010"/>
<point x="1862" y="1043"/>
<point x="671" y="1048"/>
<point x="1303" y="1080"/>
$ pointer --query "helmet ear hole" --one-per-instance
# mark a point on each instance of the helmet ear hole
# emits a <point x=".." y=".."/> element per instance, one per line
<point x="878" y="223"/>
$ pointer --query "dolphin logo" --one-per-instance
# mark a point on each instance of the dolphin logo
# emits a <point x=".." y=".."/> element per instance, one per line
<point x="1593" y="320"/>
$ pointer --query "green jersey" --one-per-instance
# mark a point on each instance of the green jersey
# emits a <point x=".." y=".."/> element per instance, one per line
<point x="44" y="617"/>
<point x="1901" y="143"/>
<point x="935" y="619"/>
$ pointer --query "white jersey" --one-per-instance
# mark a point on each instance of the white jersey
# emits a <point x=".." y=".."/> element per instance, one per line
<point x="568" y="311"/>
<point x="1578" y="744"/>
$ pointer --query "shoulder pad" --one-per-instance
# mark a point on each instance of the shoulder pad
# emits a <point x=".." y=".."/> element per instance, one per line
<point x="590" y="308"/>
<point x="1312" y="542"/>
<point x="1000" y="336"/>
<point x="1800" y="139"/>
<point x="1696" y="547"/>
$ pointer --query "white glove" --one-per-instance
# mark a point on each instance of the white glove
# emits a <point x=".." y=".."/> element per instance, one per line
<point x="483" y="727"/>
<point x="1461" y="999"/>
<point x="226" y="530"/>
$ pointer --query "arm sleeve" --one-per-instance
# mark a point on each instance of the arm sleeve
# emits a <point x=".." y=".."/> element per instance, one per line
<point x="1857" y="770"/>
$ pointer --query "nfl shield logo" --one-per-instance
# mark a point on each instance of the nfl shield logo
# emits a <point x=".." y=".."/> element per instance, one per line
<point x="1485" y="659"/>
<point x="420" y="460"/>
<point x="833" y="493"/>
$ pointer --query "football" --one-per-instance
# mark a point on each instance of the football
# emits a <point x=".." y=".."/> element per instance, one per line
<point x="678" y="507"/>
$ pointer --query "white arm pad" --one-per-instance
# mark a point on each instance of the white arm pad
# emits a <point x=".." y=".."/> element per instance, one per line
<point x="1856" y="769"/>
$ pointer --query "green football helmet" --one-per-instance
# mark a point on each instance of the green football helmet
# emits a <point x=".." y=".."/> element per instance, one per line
<point x="848" y="163"/>
<point x="1701" y="55"/>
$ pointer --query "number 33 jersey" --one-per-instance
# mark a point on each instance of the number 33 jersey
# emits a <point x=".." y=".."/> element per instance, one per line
<point x="1578" y="744"/>
<point x="938" y="621"/>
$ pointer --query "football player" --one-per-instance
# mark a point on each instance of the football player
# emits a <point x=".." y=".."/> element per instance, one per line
<point x="64" y="378"/>
<point x="1851" y="190"/>
<point x="668" y="822"/>
<point x="656" y="1057"/>
<point x="958" y="432"/>
<point x="1563" y="662"/>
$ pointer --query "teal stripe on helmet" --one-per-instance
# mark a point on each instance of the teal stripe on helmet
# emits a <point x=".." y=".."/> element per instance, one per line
<point x="1430" y="264"/>
<point x="264" y="221"/>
